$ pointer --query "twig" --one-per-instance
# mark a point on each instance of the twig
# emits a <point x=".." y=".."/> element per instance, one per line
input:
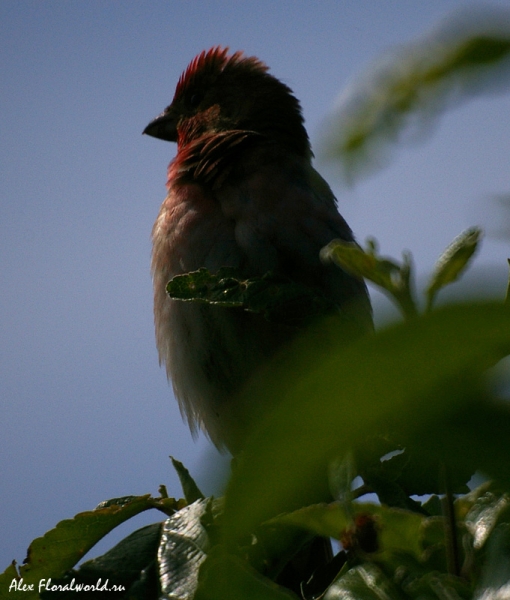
<point x="450" y="530"/>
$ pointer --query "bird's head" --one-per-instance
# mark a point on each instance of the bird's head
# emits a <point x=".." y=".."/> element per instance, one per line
<point x="219" y="92"/>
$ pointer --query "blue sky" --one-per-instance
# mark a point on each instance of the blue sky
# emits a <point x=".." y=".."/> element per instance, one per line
<point x="87" y="413"/>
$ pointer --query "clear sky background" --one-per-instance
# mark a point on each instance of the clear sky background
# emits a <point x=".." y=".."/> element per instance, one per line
<point x="86" y="412"/>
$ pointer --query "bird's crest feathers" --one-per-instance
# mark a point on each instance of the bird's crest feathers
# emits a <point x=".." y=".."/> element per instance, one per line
<point x="213" y="62"/>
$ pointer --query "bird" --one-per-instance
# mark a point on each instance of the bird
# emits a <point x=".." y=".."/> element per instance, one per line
<point x="243" y="194"/>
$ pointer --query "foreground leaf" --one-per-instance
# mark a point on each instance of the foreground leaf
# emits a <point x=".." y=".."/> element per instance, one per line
<point x="409" y="378"/>
<point x="397" y="530"/>
<point x="413" y="84"/>
<point x="226" y="576"/>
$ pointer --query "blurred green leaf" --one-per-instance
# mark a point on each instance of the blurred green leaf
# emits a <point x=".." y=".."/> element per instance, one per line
<point x="409" y="86"/>
<point x="409" y="377"/>
<point x="453" y="262"/>
<point x="224" y="576"/>
<point x="397" y="530"/>
<point x="341" y="472"/>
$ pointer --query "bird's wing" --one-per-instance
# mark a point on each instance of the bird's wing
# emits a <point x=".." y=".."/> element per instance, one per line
<point x="284" y="213"/>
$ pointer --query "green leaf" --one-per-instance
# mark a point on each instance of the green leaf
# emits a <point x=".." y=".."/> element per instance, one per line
<point x="394" y="279"/>
<point x="10" y="582"/>
<point x="189" y="487"/>
<point x="277" y="298"/>
<point x="437" y="586"/>
<point x="495" y="577"/>
<point x="416" y="378"/>
<point x="326" y="520"/>
<point x="365" y="582"/>
<point x="222" y="288"/>
<point x="224" y="576"/>
<point x="182" y="550"/>
<point x="453" y="262"/>
<point x="341" y="473"/>
<point x="410" y="86"/>
<point x="484" y="512"/>
<point x="131" y="566"/>
<point x="382" y="271"/>
<point x="412" y="475"/>
<point x="397" y="530"/>
<point x="62" y="547"/>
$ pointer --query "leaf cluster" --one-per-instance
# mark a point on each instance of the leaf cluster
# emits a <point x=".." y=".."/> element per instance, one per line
<point x="407" y="415"/>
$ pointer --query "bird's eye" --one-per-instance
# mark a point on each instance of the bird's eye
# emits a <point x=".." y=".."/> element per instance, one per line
<point x="195" y="100"/>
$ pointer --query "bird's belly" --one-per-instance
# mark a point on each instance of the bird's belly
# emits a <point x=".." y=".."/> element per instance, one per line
<point x="211" y="353"/>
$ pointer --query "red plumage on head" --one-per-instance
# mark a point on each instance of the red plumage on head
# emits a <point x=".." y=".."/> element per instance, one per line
<point x="219" y="92"/>
<point x="214" y="61"/>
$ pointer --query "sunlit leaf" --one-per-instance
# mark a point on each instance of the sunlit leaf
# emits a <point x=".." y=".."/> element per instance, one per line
<point x="495" y="579"/>
<point x="182" y="550"/>
<point x="382" y="271"/>
<point x="365" y="582"/>
<point x="453" y="262"/>
<point x="393" y="278"/>
<point x="484" y="513"/>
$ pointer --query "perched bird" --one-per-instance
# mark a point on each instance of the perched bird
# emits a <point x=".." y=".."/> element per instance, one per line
<point x="242" y="193"/>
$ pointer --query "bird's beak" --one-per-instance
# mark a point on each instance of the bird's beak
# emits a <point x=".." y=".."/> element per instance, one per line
<point x="163" y="127"/>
